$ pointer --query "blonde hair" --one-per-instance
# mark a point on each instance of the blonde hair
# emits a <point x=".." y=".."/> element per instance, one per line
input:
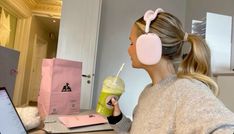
<point x="196" y="65"/>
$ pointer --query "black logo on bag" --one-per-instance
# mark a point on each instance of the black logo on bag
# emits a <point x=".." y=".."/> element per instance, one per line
<point x="66" y="88"/>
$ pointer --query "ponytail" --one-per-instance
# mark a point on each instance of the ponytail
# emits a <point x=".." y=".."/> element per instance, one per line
<point x="197" y="63"/>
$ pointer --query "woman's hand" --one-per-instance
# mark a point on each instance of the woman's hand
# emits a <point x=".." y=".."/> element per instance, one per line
<point x="116" y="111"/>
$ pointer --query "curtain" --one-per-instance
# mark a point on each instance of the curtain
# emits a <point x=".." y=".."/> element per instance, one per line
<point x="4" y="28"/>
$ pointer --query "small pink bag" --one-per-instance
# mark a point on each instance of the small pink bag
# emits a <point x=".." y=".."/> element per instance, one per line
<point x="60" y="87"/>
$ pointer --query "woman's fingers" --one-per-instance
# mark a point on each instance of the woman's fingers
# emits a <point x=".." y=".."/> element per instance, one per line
<point x="115" y="104"/>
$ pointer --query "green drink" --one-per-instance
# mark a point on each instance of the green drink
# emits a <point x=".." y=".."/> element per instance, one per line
<point x="112" y="87"/>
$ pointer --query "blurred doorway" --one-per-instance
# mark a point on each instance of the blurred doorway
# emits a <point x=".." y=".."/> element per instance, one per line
<point x="44" y="42"/>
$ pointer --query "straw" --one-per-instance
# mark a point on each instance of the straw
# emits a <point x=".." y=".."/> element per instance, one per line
<point x="121" y="68"/>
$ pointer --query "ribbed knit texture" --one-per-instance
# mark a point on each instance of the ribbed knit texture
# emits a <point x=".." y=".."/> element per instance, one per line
<point x="178" y="106"/>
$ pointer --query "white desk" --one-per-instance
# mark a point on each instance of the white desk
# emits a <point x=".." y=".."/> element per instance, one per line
<point x="40" y="131"/>
<point x="100" y="132"/>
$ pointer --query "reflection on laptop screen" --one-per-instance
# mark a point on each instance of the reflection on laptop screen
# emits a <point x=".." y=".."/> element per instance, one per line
<point x="10" y="122"/>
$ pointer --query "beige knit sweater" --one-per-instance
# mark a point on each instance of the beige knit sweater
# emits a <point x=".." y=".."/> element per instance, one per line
<point x="178" y="106"/>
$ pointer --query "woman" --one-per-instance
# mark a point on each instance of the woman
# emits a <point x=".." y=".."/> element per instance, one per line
<point x="181" y="102"/>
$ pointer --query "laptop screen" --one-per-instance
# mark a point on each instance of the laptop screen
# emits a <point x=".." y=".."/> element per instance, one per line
<point x="10" y="122"/>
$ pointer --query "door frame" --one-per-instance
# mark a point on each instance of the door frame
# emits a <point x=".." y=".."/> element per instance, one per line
<point x="36" y="38"/>
<point x="23" y="13"/>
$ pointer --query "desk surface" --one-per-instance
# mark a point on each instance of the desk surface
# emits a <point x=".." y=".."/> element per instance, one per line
<point x="40" y="131"/>
<point x="100" y="132"/>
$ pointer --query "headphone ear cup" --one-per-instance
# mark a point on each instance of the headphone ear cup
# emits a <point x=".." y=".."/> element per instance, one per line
<point x="149" y="49"/>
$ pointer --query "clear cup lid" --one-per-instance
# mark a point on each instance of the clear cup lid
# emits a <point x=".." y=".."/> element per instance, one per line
<point x="114" y="82"/>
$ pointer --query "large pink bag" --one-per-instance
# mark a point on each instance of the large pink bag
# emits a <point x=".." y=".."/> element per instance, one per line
<point x="60" y="87"/>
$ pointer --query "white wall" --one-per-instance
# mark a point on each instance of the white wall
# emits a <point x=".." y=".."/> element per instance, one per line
<point x="116" y="20"/>
<point x="226" y="90"/>
<point x="196" y="9"/>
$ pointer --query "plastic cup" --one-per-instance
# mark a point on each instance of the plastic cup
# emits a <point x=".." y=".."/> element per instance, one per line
<point x="112" y="87"/>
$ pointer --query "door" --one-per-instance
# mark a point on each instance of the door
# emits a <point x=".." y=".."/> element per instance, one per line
<point x="9" y="59"/>
<point x="79" y="25"/>
<point x="39" y="53"/>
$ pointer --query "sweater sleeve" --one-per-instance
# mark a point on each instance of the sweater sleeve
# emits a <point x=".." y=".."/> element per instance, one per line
<point x="199" y="111"/>
<point x="123" y="126"/>
<point x="114" y="119"/>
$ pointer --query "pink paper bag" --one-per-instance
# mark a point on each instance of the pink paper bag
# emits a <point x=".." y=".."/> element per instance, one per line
<point x="60" y="87"/>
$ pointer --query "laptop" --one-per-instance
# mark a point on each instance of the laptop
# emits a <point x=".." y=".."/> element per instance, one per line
<point x="10" y="122"/>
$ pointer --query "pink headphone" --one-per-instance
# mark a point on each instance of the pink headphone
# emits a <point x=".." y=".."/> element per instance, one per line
<point x="149" y="45"/>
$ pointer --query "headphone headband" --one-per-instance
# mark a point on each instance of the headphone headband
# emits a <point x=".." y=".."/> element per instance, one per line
<point x="149" y="16"/>
<point x="149" y="45"/>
